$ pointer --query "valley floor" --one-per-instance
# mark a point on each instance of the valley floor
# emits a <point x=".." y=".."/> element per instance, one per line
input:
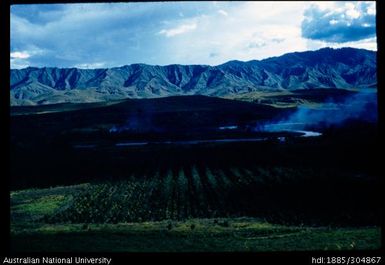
<point x="286" y="193"/>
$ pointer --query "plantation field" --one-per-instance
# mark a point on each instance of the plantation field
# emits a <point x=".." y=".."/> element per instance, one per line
<point x="199" y="191"/>
<point x="307" y="200"/>
<point x="90" y="217"/>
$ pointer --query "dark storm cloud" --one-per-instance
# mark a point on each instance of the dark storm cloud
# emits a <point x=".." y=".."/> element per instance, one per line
<point x="351" y="21"/>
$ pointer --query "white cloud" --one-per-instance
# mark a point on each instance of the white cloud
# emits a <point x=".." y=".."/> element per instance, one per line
<point x="19" y="64"/>
<point x="21" y="59"/>
<point x="178" y="30"/>
<point x="223" y="12"/>
<point x="90" y="65"/>
<point x="20" y="55"/>
<point x="349" y="5"/>
<point x="255" y="30"/>
<point x="368" y="44"/>
<point x="324" y="5"/>
<point x="371" y="10"/>
<point x="353" y="13"/>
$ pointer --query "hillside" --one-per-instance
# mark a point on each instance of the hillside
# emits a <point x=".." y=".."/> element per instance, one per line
<point x="326" y="68"/>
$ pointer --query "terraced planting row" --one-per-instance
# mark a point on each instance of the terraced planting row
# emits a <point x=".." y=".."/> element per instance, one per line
<point x="197" y="191"/>
<point x="163" y="193"/>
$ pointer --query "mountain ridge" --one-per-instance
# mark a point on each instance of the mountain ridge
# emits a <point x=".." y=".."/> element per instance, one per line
<point x="324" y="68"/>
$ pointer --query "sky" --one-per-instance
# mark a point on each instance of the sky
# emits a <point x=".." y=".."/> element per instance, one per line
<point x="162" y="33"/>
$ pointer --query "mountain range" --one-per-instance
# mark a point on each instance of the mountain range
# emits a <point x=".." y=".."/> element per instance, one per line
<point x="325" y="68"/>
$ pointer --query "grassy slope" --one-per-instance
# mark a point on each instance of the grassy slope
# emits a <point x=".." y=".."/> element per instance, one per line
<point x="30" y="233"/>
<point x="61" y="107"/>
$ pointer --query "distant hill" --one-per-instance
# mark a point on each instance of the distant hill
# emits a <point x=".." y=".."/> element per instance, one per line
<point x="324" y="68"/>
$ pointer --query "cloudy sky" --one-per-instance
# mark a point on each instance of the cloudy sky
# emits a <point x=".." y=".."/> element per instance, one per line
<point x="161" y="33"/>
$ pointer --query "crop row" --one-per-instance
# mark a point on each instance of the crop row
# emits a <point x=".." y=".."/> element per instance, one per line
<point x="199" y="191"/>
<point x="168" y="193"/>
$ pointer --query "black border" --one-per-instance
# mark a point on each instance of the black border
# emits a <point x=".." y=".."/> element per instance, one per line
<point x="5" y="118"/>
<point x="297" y="257"/>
